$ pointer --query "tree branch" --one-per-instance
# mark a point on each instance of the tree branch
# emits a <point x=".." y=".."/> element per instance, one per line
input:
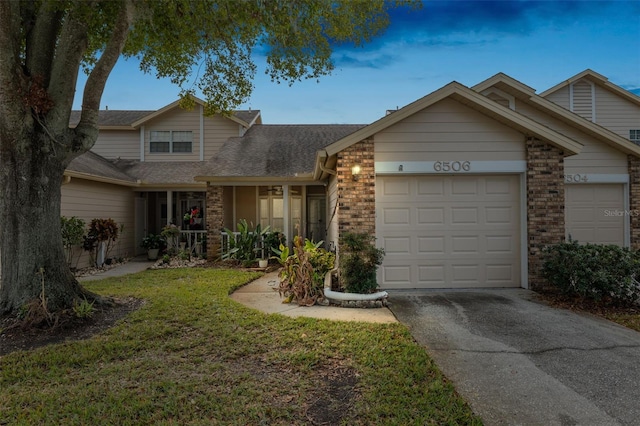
<point x="98" y="78"/>
<point x="41" y="41"/>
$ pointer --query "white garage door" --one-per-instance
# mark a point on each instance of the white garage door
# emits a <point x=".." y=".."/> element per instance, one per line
<point x="449" y="231"/>
<point x="594" y="213"/>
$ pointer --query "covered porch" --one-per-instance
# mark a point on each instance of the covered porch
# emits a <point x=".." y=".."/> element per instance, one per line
<point x="291" y="209"/>
<point x="186" y="209"/>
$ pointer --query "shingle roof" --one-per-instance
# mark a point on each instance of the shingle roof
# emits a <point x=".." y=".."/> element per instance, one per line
<point x="274" y="150"/>
<point x="119" y="118"/>
<point x="93" y="164"/>
<point x="112" y="117"/>
<point x="161" y="172"/>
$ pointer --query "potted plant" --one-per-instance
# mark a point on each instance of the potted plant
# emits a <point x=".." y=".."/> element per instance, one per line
<point x="152" y="243"/>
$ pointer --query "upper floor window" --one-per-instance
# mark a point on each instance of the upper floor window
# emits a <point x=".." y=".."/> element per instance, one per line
<point x="634" y="135"/>
<point x="170" y="141"/>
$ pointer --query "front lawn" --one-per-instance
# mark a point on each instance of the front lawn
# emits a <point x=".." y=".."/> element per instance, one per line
<point x="191" y="355"/>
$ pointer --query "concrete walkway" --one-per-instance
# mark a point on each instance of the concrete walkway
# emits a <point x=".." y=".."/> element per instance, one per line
<point x="262" y="294"/>
<point x="133" y="266"/>
<point x="518" y="361"/>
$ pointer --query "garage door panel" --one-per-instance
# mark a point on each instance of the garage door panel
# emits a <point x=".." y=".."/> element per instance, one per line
<point x="397" y="216"/>
<point x="499" y="215"/>
<point x="429" y="187"/>
<point x="466" y="215"/>
<point x="431" y="215"/>
<point x="464" y="186"/>
<point x="465" y="245"/>
<point x="430" y="245"/>
<point x="463" y="231"/>
<point x="397" y="245"/>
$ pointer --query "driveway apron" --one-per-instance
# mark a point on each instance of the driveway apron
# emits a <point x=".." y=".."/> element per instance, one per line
<point x="518" y="361"/>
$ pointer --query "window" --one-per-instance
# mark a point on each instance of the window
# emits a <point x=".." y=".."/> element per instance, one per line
<point x="634" y="135"/>
<point x="171" y="141"/>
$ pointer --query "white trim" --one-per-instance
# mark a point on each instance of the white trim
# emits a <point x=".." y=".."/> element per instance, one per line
<point x="627" y="218"/>
<point x="201" y="133"/>
<point x="510" y="98"/>
<point x="169" y="206"/>
<point x="524" y="233"/>
<point x="587" y="178"/>
<point x="571" y="97"/>
<point x="286" y="217"/>
<point x="593" y="102"/>
<point x="429" y="167"/>
<point x="141" y="143"/>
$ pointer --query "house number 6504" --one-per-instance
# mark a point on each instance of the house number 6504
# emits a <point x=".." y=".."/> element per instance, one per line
<point x="452" y="166"/>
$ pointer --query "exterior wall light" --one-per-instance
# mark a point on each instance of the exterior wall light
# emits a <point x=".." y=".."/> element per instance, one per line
<point x="355" y="172"/>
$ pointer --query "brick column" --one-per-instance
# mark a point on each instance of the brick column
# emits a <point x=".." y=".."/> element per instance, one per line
<point x="634" y="200"/>
<point x="357" y="198"/>
<point x="545" y="204"/>
<point x="215" y="220"/>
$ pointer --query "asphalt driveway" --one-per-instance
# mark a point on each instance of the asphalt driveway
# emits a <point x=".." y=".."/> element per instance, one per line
<point x="520" y="362"/>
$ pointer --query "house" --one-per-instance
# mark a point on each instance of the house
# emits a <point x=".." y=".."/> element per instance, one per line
<point x="140" y="171"/>
<point x="462" y="188"/>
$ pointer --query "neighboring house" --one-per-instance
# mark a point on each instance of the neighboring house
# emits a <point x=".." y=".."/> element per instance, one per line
<point x="462" y="188"/>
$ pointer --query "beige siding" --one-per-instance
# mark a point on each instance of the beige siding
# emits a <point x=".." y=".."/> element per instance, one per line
<point x="560" y="97"/>
<point x="88" y="200"/>
<point x="123" y="144"/>
<point x="615" y="113"/>
<point x="596" y="156"/>
<point x="246" y="205"/>
<point x="227" y="202"/>
<point x="217" y="130"/>
<point x="443" y="131"/>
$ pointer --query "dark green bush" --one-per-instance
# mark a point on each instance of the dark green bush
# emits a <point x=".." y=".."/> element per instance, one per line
<point x="359" y="261"/>
<point x="606" y="273"/>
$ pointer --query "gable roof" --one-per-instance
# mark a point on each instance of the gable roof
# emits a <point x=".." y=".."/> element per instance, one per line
<point x="471" y="99"/>
<point x="527" y="94"/>
<point x="270" y="151"/>
<point x="244" y="118"/>
<point x="600" y="80"/>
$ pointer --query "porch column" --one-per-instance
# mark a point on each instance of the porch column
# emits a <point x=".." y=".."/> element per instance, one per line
<point x="169" y="207"/>
<point x="215" y="220"/>
<point x="286" y="223"/>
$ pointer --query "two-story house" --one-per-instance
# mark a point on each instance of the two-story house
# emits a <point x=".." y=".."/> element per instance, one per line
<point x="462" y="188"/>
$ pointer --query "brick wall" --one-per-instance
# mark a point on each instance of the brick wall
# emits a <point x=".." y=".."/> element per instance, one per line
<point x="215" y="220"/>
<point x="634" y="200"/>
<point x="357" y="198"/>
<point x="545" y="204"/>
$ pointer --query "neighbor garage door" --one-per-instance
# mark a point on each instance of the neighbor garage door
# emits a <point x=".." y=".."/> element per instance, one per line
<point x="449" y="231"/>
<point x="594" y="213"/>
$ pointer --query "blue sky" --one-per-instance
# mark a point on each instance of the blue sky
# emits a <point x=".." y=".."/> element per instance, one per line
<point x="540" y="43"/>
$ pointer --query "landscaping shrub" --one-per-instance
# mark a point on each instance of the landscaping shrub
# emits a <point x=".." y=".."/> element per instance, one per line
<point x="359" y="261"/>
<point x="302" y="275"/>
<point x="606" y="273"/>
<point x="72" y="229"/>
<point x="246" y="245"/>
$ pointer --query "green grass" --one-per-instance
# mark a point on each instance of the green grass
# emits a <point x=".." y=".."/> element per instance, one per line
<point x="191" y="355"/>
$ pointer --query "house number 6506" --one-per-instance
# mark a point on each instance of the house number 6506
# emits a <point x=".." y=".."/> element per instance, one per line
<point x="452" y="166"/>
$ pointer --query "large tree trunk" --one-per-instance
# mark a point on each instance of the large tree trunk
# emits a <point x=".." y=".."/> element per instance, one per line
<point x="32" y="262"/>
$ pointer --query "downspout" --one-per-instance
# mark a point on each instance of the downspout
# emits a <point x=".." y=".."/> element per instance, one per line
<point x="323" y="164"/>
<point x="336" y="295"/>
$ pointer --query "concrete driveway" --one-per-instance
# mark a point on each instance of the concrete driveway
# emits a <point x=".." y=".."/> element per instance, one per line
<point x="520" y="362"/>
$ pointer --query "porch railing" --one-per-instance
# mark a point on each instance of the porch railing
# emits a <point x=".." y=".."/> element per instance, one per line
<point x="194" y="242"/>
<point x="226" y="245"/>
